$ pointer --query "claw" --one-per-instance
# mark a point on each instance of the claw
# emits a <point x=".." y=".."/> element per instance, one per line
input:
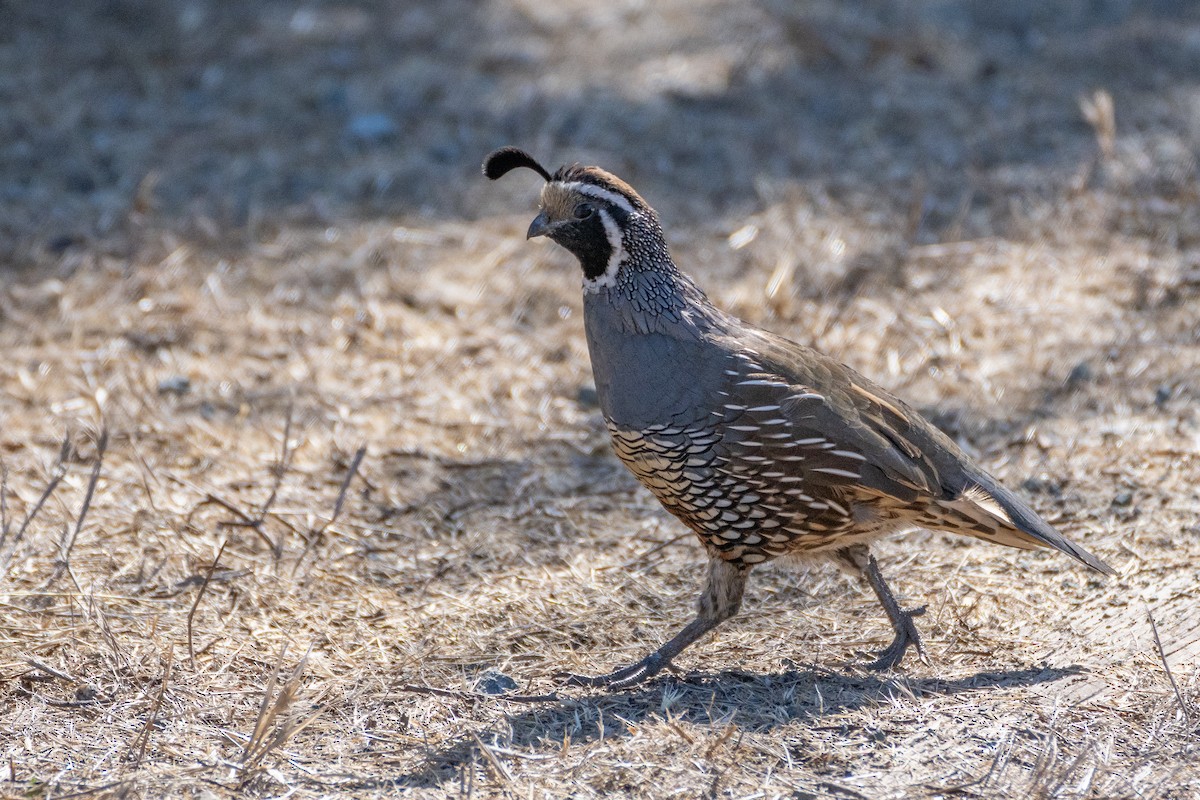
<point x="623" y="678"/>
<point x="720" y="601"/>
<point x="906" y="634"/>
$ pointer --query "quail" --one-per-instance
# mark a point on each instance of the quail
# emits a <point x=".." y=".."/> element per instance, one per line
<point x="761" y="446"/>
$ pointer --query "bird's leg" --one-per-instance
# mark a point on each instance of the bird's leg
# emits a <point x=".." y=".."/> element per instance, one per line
<point x="720" y="600"/>
<point x="902" y="621"/>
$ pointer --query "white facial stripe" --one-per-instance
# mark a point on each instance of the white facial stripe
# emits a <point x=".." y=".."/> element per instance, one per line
<point x="615" y="258"/>
<point x="592" y="190"/>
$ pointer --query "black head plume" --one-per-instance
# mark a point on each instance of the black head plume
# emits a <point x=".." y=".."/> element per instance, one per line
<point x="502" y="161"/>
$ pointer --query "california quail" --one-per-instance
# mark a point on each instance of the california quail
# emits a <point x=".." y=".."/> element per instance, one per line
<point x="762" y="446"/>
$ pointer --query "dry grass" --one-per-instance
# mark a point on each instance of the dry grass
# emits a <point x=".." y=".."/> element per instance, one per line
<point x="221" y="284"/>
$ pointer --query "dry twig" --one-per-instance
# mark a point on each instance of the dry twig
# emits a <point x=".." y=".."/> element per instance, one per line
<point x="142" y="740"/>
<point x="68" y="543"/>
<point x="1167" y="668"/>
<point x="552" y="697"/>
<point x="58" y="472"/>
<point x="314" y="536"/>
<point x="196" y="603"/>
<point x="351" y="471"/>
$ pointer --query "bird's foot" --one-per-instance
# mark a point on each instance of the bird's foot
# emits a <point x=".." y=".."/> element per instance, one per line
<point x="906" y="634"/>
<point x="623" y="678"/>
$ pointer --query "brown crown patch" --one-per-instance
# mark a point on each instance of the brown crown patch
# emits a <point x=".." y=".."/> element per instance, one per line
<point x="601" y="178"/>
<point x="558" y="203"/>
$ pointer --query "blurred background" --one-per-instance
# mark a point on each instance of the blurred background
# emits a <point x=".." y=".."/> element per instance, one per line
<point x="218" y="120"/>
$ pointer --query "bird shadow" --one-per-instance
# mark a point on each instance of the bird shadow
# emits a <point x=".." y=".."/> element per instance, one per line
<point x="754" y="702"/>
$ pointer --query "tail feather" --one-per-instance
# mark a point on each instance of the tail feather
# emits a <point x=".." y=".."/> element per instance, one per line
<point x="1014" y="523"/>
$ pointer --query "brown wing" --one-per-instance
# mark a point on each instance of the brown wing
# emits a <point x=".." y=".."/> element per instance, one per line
<point x="903" y="457"/>
<point x="793" y="443"/>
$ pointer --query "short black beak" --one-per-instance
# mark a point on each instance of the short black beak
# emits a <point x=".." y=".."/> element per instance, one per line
<point x="539" y="227"/>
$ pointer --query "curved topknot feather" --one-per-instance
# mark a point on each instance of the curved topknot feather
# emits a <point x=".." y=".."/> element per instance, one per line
<point x="501" y="162"/>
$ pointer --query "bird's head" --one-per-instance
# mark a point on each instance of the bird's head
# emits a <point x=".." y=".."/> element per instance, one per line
<point x="592" y="213"/>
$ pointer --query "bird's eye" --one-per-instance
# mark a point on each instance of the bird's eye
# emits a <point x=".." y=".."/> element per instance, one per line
<point x="584" y="211"/>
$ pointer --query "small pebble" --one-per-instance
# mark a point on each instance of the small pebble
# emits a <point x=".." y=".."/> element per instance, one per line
<point x="1081" y="373"/>
<point x="494" y="682"/>
<point x="176" y="384"/>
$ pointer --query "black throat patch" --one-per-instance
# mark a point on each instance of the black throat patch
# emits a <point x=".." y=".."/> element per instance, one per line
<point x="588" y="241"/>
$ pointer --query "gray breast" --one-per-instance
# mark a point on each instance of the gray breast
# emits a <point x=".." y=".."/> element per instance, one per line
<point x="726" y="451"/>
<point x="651" y="370"/>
